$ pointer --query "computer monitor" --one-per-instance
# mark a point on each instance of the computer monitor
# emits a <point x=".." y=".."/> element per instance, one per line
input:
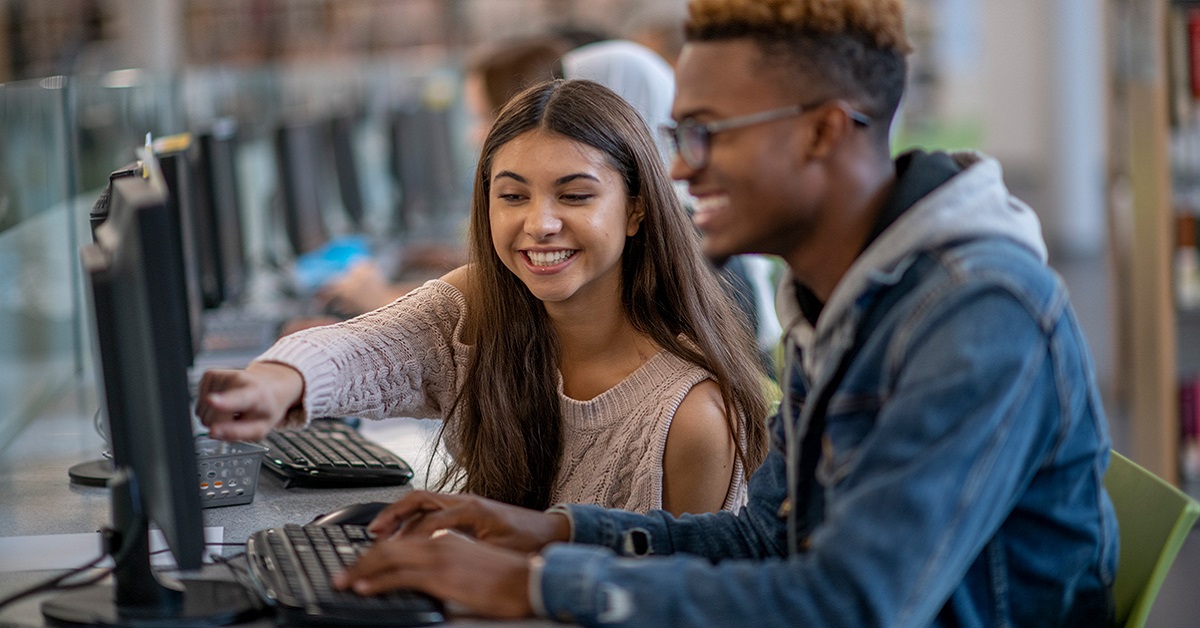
<point x="219" y="216"/>
<point x="99" y="472"/>
<point x="422" y="163"/>
<point x="303" y="181"/>
<point x="345" y="158"/>
<point x="176" y="167"/>
<point x="177" y="161"/>
<point x="141" y="345"/>
<point x="204" y="232"/>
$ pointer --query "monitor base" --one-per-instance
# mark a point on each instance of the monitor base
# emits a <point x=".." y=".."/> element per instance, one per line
<point x="92" y="473"/>
<point x="205" y="603"/>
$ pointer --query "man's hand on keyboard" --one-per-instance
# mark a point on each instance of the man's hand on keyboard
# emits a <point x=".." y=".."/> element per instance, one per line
<point x="482" y="579"/>
<point x="421" y="513"/>
<point x="246" y="404"/>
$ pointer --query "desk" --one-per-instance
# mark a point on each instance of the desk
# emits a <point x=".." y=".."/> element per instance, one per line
<point x="37" y="498"/>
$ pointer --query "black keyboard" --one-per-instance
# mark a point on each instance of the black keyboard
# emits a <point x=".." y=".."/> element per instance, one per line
<point x="292" y="567"/>
<point x="328" y="452"/>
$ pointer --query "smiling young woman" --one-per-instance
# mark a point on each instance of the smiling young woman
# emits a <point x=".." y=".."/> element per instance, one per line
<point x="588" y="353"/>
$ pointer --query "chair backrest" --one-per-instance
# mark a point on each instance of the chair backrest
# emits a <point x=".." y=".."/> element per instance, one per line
<point x="1154" y="519"/>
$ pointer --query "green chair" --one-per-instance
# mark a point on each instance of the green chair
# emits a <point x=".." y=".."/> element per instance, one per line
<point x="1154" y="519"/>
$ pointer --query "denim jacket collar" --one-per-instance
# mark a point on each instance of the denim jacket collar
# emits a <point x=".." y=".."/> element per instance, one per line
<point x="934" y="220"/>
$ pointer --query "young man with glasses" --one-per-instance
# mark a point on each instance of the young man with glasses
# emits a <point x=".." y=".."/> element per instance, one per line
<point x="939" y="456"/>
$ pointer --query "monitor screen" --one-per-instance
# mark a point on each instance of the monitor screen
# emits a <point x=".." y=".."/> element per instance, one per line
<point x="141" y="338"/>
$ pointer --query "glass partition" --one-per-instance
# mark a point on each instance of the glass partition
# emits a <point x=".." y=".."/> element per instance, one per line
<point x="39" y="337"/>
<point x="113" y="113"/>
<point x="60" y="138"/>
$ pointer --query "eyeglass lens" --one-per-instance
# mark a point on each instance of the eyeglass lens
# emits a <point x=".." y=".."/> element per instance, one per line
<point x="689" y="140"/>
<point x="693" y="143"/>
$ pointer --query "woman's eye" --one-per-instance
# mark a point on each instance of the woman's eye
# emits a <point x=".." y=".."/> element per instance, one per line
<point x="577" y="198"/>
<point x="510" y="198"/>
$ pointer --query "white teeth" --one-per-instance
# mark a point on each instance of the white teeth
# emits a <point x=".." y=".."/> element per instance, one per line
<point x="548" y="258"/>
<point x="710" y="203"/>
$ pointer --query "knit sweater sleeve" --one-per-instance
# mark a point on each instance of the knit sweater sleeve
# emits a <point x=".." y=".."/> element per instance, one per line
<point x="404" y="359"/>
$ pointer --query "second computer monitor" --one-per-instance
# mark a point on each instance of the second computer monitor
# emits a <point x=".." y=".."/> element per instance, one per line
<point x="304" y="179"/>
<point x="178" y="170"/>
<point x="424" y="169"/>
<point x="219" y="215"/>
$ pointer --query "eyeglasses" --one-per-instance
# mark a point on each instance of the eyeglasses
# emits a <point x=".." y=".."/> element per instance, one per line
<point x="691" y="140"/>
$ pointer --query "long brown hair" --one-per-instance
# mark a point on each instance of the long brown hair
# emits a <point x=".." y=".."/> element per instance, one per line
<point x="509" y="435"/>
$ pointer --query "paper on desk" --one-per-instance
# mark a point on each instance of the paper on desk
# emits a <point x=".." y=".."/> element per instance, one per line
<point x="67" y="551"/>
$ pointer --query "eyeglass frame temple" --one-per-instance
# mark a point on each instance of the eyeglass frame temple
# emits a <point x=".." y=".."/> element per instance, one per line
<point x="770" y="115"/>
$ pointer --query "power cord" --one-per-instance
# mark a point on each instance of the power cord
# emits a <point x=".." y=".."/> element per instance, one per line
<point x="241" y="573"/>
<point x="57" y="582"/>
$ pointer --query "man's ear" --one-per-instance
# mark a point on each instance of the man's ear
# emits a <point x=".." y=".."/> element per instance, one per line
<point x="831" y="123"/>
<point x="637" y="211"/>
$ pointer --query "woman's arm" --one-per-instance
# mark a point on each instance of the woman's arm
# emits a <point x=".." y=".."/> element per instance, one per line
<point x="699" y="457"/>
<point x="401" y="360"/>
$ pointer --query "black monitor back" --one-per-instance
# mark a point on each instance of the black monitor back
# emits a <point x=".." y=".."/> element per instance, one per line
<point x="142" y="363"/>
<point x="219" y="231"/>
<point x="422" y="159"/>
<point x="342" y="130"/>
<point x="178" y="172"/>
<point x="303" y="180"/>
<point x="141" y="338"/>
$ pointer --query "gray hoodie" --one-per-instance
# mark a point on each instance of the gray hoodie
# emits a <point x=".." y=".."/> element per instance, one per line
<point x="973" y="204"/>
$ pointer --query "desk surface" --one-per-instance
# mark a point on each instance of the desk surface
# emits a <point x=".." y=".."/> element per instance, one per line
<point x="37" y="498"/>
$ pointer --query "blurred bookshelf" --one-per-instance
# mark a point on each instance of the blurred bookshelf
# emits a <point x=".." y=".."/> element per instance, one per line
<point x="1155" y="337"/>
<point x="1154" y="182"/>
<point x="1183" y="63"/>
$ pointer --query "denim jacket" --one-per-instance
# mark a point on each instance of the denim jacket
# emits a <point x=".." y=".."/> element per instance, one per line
<point x="961" y="475"/>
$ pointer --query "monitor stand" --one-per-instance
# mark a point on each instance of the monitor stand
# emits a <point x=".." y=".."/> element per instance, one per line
<point x="138" y="598"/>
<point x="92" y="472"/>
<point x="196" y="603"/>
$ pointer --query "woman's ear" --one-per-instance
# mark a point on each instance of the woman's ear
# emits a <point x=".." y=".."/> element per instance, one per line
<point x="637" y="212"/>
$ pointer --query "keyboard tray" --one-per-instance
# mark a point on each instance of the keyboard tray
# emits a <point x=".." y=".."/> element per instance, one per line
<point x="329" y="453"/>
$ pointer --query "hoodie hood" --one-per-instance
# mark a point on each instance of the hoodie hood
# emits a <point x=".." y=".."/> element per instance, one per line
<point x="973" y="204"/>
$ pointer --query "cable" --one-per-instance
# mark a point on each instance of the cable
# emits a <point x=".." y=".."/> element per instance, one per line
<point x="57" y="581"/>
<point x="242" y="575"/>
<point x="214" y="557"/>
<point x="99" y="425"/>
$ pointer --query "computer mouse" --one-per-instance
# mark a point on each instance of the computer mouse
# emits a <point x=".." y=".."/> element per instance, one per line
<point x="355" y="514"/>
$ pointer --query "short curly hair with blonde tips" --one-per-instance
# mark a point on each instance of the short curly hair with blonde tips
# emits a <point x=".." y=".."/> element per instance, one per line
<point x="851" y="49"/>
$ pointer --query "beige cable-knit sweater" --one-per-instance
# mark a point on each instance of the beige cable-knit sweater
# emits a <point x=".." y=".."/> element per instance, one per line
<point x="407" y="359"/>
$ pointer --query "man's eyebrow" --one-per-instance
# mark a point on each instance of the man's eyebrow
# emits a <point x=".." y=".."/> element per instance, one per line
<point x="691" y="113"/>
